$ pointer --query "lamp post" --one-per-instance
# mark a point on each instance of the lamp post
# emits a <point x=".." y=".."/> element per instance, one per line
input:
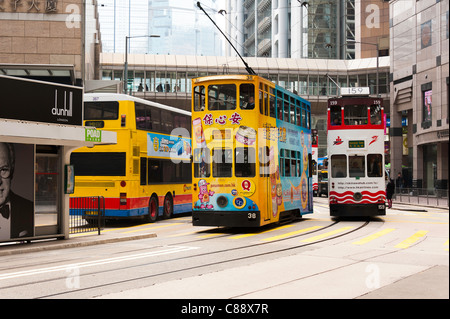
<point x="378" y="58"/>
<point x="125" y="76"/>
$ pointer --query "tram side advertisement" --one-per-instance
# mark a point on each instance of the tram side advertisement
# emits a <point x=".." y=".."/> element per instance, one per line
<point x="287" y="192"/>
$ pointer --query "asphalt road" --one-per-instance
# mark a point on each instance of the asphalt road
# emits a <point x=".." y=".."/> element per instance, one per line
<point x="401" y="255"/>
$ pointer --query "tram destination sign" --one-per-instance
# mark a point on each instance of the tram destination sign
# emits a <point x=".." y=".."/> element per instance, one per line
<point x="356" y="144"/>
<point x="39" y="101"/>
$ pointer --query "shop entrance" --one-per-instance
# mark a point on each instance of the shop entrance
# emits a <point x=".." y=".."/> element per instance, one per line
<point x="48" y="190"/>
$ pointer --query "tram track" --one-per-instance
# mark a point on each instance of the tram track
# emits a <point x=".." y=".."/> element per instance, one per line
<point x="195" y="266"/>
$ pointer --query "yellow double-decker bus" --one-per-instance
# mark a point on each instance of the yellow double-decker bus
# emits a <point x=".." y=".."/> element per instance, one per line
<point x="148" y="172"/>
<point x="251" y="152"/>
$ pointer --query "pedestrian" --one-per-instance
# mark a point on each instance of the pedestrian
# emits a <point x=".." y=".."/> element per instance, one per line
<point x="390" y="189"/>
<point x="399" y="182"/>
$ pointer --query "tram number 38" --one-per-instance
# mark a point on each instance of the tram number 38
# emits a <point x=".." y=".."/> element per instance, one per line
<point x="251" y="216"/>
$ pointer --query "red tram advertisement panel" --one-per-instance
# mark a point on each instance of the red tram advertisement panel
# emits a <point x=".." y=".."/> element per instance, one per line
<point x="356" y="129"/>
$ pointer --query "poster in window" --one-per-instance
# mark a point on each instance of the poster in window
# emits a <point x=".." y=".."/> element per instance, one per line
<point x="426" y="34"/>
<point x="427" y="102"/>
<point x="16" y="191"/>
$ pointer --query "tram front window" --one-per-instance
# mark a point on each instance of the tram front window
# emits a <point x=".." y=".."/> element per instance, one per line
<point x="245" y="162"/>
<point x="339" y="166"/>
<point x="356" y="166"/>
<point x="222" y="97"/>
<point x="247" y="96"/>
<point x="335" y="115"/>
<point x="374" y="165"/>
<point x="222" y="165"/>
<point x="355" y="114"/>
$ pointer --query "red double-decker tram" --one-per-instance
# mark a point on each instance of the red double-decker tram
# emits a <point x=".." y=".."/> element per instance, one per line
<point x="356" y="129"/>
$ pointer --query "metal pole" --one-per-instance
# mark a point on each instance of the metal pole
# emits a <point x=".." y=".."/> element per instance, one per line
<point x="377" y="84"/>
<point x="125" y="75"/>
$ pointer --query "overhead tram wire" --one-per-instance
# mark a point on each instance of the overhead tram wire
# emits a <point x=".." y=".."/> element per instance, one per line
<point x="247" y="67"/>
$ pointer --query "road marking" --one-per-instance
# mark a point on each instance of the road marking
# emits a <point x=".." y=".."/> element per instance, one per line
<point x="154" y="227"/>
<point x="165" y="251"/>
<point x="412" y="240"/>
<point x="263" y="232"/>
<point x="446" y="245"/>
<point x="373" y="237"/>
<point x="331" y="233"/>
<point x="292" y="233"/>
<point x="211" y="235"/>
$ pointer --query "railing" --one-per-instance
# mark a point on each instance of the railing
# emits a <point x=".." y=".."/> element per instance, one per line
<point x="422" y="196"/>
<point x="87" y="214"/>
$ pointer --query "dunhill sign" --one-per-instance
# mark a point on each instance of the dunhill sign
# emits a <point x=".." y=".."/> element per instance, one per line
<point x="39" y="101"/>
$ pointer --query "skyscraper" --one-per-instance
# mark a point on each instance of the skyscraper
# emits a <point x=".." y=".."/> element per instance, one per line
<point x="306" y="29"/>
<point x="182" y="27"/>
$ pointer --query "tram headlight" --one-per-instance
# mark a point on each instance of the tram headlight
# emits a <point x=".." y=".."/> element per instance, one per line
<point x="222" y="201"/>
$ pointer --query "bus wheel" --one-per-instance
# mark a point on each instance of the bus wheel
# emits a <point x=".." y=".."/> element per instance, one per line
<point x="152" y="210"/>
<point x="168" y="206"/>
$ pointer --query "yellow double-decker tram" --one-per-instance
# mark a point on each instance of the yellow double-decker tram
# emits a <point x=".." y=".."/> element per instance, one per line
<point x="148" y="172"/>
<point x="251" y="152"/>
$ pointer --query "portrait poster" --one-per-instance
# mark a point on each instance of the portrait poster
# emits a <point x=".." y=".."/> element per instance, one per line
<point x="427" y="104"/>
<point x="16" y="191"/>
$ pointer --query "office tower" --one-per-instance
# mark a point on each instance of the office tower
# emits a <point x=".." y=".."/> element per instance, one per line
<point x="182" y="28"/>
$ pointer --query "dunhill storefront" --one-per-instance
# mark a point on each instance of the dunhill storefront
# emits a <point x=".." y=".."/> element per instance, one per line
<point x="40" y="125"/>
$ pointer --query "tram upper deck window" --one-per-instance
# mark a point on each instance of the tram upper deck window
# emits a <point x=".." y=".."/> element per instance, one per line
<point x="247" y="96"/>
<point x="355" y="114"/>
<point x="375" y="114"/>
<point x="199" y="98"/>
<point x="335" y="115"/>
<point x="222" y="97"/>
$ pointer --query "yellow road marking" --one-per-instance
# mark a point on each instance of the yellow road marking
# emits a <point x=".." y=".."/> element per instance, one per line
<point x="446" y="244"/>
<point x="331" y="233"/>
<point x="292" y="233"/>
<point x="263" y="232"/>
<point x="211" y="235"/>
<point x="373" y="237"/>
<point x="411" y="240"/>
<point x="154" y="227"/>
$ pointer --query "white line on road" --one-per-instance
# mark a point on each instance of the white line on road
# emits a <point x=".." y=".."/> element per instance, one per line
<point x="168" y="250"/>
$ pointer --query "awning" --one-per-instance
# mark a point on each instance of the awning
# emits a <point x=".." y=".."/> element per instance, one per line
<point x="57" y="73"/>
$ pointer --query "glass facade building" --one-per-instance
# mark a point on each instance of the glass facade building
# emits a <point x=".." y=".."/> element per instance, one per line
<point x="182" y="28"/>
